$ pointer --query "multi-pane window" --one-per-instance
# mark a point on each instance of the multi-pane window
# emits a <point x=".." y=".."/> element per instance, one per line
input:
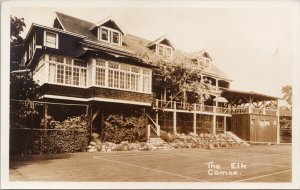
<point x="60" y="74"/>
<point x="108" y="74"/>
<point x="122" y="76"/>
<point x="51" y="40"/>
<point x="67" y="71"/>
<point x="100" y="76"/>
<point x="100" y="72"/>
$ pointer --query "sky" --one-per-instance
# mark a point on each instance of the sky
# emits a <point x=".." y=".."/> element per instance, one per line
<point x="253" y="46"/>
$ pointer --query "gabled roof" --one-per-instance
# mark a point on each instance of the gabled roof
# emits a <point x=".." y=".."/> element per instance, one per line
<point x="159" y="40"/>
<point x="131" y="43"/>
<point x="232" y="94"/>
<point x="201" y="53"/>
<point x="106" y="20"/>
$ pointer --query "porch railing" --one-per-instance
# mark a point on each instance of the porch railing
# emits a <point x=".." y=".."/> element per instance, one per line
<point x="211" y="109"/>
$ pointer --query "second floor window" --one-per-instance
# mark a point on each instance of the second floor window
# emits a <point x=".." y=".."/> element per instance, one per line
<point x="51" y="40"/>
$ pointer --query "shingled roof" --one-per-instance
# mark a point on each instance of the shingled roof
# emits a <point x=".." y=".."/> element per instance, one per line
<point x="130" y="43"/>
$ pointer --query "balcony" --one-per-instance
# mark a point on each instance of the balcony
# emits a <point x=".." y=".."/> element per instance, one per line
<point x="187" y="107"/>
<point x="209" y="110"/>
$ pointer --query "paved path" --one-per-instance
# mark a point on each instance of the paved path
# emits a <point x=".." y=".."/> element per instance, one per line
<point x="258" y="163"/>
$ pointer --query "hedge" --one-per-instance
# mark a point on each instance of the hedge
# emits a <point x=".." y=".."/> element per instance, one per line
<point x="71" y="135"/>
<point x="118" y="129"/>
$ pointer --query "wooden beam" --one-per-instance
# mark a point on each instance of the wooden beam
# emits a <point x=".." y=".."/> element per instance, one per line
<point x="195" y="119"/>
<point x="278" y="124"/>
<point x="214" y="124"/>
<point x="174" y="119"/>
<point x="225" y="127"/>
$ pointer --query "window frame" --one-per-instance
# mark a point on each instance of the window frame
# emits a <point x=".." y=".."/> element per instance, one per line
<point x="128" y="73"/>
<point x="56" y="39"/>
<point x="111" y="32"/>
<point x="165" y="48"/>
<point x="74" y="67"/>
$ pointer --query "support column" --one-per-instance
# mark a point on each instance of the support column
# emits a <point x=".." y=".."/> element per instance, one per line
<point x="225" y="126"/>
<point x="278" y="124"/>
<point x="174" y="119"/>
<point x="46" y="62"/>
<point x="156" y="113"/>
<point x="214" y="124"/>
<point x="195" y="119"/>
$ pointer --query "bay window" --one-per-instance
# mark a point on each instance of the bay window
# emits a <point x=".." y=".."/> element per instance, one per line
<point x="99" y="73"/>
<point x="66" y="71"/>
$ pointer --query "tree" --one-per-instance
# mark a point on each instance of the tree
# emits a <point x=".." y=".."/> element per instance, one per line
<point x="17" y="26"/>
<point x="17" y="49"/>
<point x="180" y="77"/>
<point x="22" y="86"/>
<point x="287" y="95"/>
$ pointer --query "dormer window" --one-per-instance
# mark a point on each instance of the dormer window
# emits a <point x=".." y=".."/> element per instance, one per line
<point x="204" y="62"/>
<point x="116" y="37"/>
<point x="160" y="50"/>
<point x="162" y="47"/>
<point x="104" y="34"/>
<point x="110" y="35"/>
<point x="163" y="50"/>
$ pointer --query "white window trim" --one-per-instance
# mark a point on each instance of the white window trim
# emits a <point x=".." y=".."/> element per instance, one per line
<point x="110" y="36"/>
<point x="129" y="72"/>
<point x="56" y="38"/>
<point x="165" y="47"/>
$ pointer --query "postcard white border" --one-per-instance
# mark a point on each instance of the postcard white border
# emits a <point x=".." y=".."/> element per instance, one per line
<point x="5" y="13"/>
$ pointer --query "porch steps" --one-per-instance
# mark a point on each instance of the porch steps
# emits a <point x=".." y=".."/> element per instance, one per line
<point x="158" y="143"/>
<point x="235" y="137"/>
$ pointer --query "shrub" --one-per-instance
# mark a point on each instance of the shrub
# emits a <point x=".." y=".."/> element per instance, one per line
<point x="165" y="136"/>
<point x="118" y="129"/>
<point x="71" y="135"/>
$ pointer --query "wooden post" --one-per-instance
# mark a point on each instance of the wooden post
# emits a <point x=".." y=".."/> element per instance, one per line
<point x="45" y="115"/>
<point x="156" y="113"/>
<point x="225" y="124"/>
<point x="195" y="119"/>
<point x="174" y="119"/>
<point x="214" y="121"/>
<point x="278" y="123"/>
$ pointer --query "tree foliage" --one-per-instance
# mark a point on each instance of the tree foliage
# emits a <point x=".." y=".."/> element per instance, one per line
<point x="180" y="76"/>
<point x="17" y="26"/>
<point x="287" y="95"/>
<point x="17" y="48"/>
<point x="22" y="87"/>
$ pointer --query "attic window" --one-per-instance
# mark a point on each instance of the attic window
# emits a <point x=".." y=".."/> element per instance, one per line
<point x="109" y="35"/>
<point x="204" y="62"/>
<point x="104" y="34"/>
<point x="164" y="50"/>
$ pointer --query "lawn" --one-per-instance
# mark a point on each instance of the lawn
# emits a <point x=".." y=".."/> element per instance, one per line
<point x="257" y="163"/>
